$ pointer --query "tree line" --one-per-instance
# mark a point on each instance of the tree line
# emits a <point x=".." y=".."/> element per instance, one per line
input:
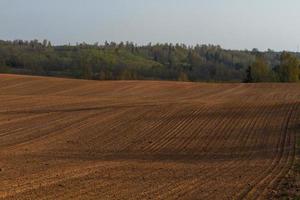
<point x="287" y="69"/>
<point x="128" y="61"/>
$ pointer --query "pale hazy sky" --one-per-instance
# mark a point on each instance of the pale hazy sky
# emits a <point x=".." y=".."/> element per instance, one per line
<point x="234" y="24"/>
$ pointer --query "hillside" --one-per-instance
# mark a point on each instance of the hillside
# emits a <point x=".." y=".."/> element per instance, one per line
<point x="78" y="139"/>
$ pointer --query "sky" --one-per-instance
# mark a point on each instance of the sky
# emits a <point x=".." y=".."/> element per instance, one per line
<point x="233" y="24"/>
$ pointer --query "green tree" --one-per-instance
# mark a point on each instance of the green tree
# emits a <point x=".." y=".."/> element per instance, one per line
<point x="45" y="43"/>
<point x="128" y="75"/>
<point x="259" y="71"/>
<point x="249" y="78"/>
<point x="289" y="68"/>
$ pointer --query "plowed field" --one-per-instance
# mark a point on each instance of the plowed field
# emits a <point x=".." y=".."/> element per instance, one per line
<point x="75" y="139"/>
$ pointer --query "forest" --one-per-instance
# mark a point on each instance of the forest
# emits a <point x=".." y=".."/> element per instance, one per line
<point x="129" y="61"/>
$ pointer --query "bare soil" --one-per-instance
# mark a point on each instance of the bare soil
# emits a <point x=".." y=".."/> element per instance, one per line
<point x="76" y="139"/>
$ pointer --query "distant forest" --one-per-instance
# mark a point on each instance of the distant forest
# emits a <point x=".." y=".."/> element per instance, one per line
<point x="128" y="61"/>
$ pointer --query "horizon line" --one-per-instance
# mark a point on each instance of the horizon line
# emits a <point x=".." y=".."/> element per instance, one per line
<point x="54" y="44"/>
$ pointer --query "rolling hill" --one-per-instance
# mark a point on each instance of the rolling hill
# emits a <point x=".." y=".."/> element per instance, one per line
<point x="78" y="139"/>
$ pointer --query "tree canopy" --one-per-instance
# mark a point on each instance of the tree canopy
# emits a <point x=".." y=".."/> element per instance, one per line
<point x="128" y="61"/>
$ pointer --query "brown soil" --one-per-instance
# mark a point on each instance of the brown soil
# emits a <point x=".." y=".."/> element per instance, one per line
<point x="75" y="139"/>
